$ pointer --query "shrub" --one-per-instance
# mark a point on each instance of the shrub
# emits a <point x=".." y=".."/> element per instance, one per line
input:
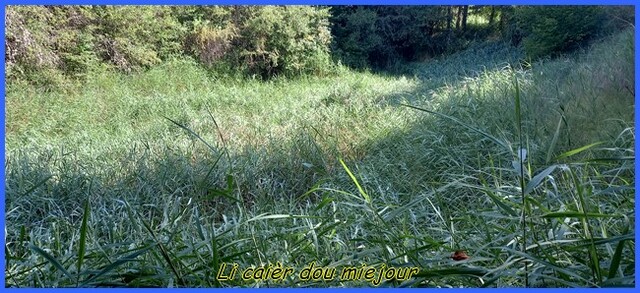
<point x="263" y="41"/>
<point x="380" y="36"/>
<point x="30" y="46"/>
<point x="550" y="30"/>
<point x="136" y="37"/>
<point x="354" y="30"/>
<point x="210" y="44"/>
<point x="47" y="44"/>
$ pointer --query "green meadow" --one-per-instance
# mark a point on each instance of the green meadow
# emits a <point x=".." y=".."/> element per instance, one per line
<point x="170" y="176"/>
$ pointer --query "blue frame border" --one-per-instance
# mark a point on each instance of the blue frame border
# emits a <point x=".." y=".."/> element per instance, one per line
<point x="299" y="2"/>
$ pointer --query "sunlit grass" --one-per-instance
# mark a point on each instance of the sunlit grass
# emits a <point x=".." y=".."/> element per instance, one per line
<point x="156" y="179"/>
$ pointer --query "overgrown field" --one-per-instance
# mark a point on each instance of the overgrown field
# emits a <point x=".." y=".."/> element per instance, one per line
<point x="156" y="179"/>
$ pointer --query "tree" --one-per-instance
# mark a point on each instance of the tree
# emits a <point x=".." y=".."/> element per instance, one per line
<point x="550" y="30"/>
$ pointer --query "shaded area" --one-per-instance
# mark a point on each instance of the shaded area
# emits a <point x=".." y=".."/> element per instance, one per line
<point x="433" y="186"/>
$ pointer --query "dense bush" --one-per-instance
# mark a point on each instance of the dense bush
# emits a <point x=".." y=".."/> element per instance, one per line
<point x="46" y="44"/>
<point x="263" y="40"/>
<point x="211" y="32"/>
<point x="383" y="35"/>
<point x="135" y="37"/>
<point x="354" y="30"/>
<point x="34" y="50"/>
<point x="549" y="30"/>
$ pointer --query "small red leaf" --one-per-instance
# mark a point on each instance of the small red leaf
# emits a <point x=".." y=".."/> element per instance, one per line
<point x="459" y="255"/>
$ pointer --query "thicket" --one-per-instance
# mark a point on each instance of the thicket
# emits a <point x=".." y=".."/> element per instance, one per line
<point x="553" y="30"/>
<point x="49" y="45"/>
<point x="382" y="36"/>
<point x="260" y="40"/>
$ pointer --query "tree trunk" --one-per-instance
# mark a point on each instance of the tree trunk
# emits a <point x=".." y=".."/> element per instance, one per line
<point x="458" y="17"/>
<point x="465" y="12"/>
<point x="492" y="15"/>
<point x="449" y="18"/>
<point x="504" y="15"/>
<point x="449" y="24"/>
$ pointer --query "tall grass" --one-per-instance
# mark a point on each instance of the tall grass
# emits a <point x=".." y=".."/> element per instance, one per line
<point x="158" y="179"/>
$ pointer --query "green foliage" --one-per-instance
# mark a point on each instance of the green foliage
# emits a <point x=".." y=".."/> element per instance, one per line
<point x="266" y="41"/>
<point x="53" y="45"/>
<point x="285" y="40"/>
<point x="249" y="173"/>
<point x="354" y="30"/>
<point x="557" y="29"/>
<point x="210" y="44"/>
<point x="136" y="37"/>
<point x="30" y="47"/>
<point x="210" y="31"/>
<point x="380" y="36"/>
<point x="47" y="45"/>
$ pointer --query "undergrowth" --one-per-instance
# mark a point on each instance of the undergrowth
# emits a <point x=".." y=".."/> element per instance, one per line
<point x="158" y="179"/>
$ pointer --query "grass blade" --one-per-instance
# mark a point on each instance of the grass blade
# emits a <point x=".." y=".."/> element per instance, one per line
<point x="117" y="263"/>
<point x="83" y="238"/>
<point x="194" y="134"/>
<point x="518" y="108"/>
<point x="593" y="252"/>
<point x="554" y="140"/>
<point x="579" y="215"/>
<point x="521" y="177"/>
<point x="502" y="204"/>
<point x="615" y="260"/>
<point x="536" y="180"/>
<point x="353" y="178"/>
<point x="578" y="150"/>
<point x="280" y="216"/>
<point x="51" y="259"/>
<point x="561" y="270"/>
<point x="465" y="125"/>
<point x="41" y="182"/>
<point x="163" y="250"/>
